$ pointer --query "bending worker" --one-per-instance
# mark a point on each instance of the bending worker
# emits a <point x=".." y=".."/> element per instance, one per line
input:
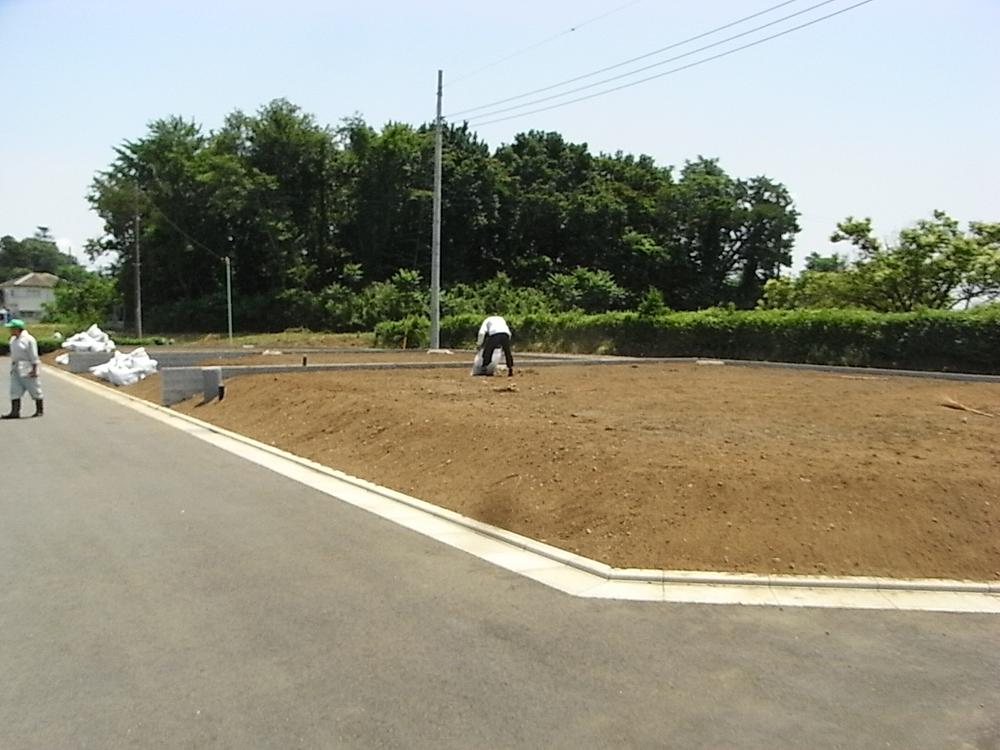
<point x="24" y="365"/>
<point x="494" y="334"/>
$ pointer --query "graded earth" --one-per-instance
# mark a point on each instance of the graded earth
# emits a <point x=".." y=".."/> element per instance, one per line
<point x="673" y="466"/>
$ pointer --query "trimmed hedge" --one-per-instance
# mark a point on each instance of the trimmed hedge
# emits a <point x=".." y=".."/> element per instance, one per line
<point x="45" y="345"/>
<point x="947" y="341"/>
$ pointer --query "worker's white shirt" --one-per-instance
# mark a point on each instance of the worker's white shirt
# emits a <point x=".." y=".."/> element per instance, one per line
<point x="24" y="348"/>
<point x="493" y="324"/>
<point x="23" y="353"/>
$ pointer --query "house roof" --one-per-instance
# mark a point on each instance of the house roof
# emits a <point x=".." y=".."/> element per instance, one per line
<point x="33" y="279"/>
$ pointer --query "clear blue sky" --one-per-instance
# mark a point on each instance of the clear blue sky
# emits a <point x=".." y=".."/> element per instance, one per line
<point x="889" y="111"/>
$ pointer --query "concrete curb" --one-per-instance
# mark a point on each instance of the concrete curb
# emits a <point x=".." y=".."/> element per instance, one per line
<point x="555" y="555"/>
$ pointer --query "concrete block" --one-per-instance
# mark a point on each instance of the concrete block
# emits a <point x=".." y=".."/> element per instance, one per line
<point x="211" y="378"/>
<point x="180" y="383"/>
<point x="83" y="361"/>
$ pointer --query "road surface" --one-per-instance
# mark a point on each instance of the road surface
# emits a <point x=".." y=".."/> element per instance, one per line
<point x="157" y="592"/>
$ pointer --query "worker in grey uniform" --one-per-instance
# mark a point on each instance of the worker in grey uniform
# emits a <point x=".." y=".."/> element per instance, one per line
<point x="494" y="334"/>
<point x="24" y="364"/>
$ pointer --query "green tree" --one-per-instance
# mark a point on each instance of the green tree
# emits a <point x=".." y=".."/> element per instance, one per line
<point x="817" y="289"/>
<point x="388" y="194"/>
<point x="827" y="263"/>
<point x="276" y="199"/>
<point x="303" y="212"/>
<point x="981" y="282"/>
<point x="82" y="298"/>
<point x="586" y="290"/>
<point x="37" y="253"/>
<point x="934" y="264"/>
<point x="726" y="237"/>
<point x="259" y="191"/>
<point x="545" y="173"/>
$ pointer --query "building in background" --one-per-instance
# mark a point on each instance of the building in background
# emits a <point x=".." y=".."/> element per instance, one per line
<point x="24" y="296"/>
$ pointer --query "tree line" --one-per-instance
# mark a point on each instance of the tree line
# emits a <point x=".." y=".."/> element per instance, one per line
<point x="301" y="208"/>
<point x="329" y="227"/>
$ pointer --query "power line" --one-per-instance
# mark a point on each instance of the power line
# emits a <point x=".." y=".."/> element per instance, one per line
<point x="187" y="236"/>
<point x="673" y="70"/>
<point x="625" y="62"/>
<point x="660" y="63"/>
<point x="545" y="41"/>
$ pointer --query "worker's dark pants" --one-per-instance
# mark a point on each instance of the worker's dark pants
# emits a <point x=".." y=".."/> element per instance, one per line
<point x="497" y="341"/>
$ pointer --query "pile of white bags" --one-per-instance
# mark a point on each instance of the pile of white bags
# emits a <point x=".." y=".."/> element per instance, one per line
<point x="478" y="368"/>
<point x="126" y="369"/>
<point x="91" y="340"/>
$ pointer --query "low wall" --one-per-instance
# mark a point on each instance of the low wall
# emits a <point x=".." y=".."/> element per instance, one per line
<point x="83" y="361"/>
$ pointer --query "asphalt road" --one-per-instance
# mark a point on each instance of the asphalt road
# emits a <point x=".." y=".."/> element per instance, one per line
<point x="158" y="592"/>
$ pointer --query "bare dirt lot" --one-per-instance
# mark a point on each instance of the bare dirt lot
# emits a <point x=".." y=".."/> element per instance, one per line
<point x="284" y="357"/>
<point x="673" y="466"/>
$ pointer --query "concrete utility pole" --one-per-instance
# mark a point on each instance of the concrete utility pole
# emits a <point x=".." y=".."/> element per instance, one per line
<point x="138" y="283"/>
<point x="436" y="229"/>
<point x="229" y="298"/>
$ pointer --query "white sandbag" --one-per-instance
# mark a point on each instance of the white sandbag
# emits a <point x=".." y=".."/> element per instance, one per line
<point x="123" y="377"/>
<point x="91" y="340"/>
<point x="78" y="342"/>
<point x="126" y="369"/>
<point x="491" y="367"/>
<point x="62" y="359"/>
<point x="96" y="333"/>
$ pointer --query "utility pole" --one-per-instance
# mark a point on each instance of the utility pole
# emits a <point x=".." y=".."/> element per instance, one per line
<point x="138" y="277"/>
<point x="229" y="298"/>
<point x="436" y="229"/>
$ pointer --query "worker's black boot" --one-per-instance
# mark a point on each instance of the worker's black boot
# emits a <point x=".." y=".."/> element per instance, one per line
<point x="15" y="410"/>
<point x="39" y="408"/>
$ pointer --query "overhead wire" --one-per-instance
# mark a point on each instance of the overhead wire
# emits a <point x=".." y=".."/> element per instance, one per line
<point x="545" y="41"/>
<point x="661" y="63"/>
<point x="681" y="43"/>
<point x="477" y="123"/>
<point x="177" y="228"/>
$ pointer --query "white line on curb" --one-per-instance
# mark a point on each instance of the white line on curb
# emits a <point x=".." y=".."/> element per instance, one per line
<point x="565" y="571"/>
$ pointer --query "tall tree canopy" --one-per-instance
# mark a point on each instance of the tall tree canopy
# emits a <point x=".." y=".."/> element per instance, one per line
<point x="299" y="206"/>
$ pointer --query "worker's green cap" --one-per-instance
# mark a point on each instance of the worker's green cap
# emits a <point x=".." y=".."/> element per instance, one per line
<point x="15" y="323"/>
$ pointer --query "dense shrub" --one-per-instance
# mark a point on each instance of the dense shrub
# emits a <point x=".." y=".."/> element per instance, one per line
<point x="496" y="296"/>
<point x="587" y="290"/>
<point x="410" y="333"/>
<point x="935" y="340"/>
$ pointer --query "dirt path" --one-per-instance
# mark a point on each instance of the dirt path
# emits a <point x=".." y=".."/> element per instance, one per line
<point x="665" y="466"/>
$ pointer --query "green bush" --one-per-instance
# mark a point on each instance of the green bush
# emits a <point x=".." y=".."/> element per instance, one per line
<point x="403" y="296"/>
<point x="496" y="296"/>
<point x="410" y="333"/>
<point x="82" y="300"/>
<point x="587" y="290"/>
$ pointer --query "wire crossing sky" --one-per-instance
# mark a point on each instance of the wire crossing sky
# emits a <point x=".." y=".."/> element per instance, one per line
<point x="630" y="60"/>
<point x="669" y="72"/>
<point x="887" y="111"/>
<point x="543" y="42"/>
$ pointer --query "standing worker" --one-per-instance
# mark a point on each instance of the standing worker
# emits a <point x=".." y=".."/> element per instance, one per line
<point x="494" y="334"/>
<point x="24" y="365"/>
